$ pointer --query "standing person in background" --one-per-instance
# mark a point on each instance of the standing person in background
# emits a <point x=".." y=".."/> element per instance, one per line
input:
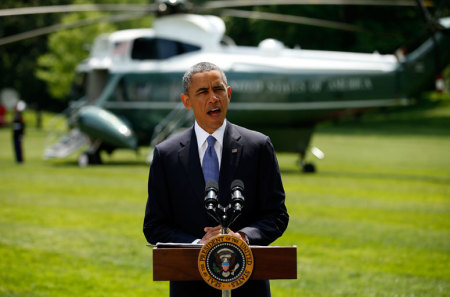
<point x="18" y="126"/>
<point x="2" y="115"/>
<point x="213" y="149"/>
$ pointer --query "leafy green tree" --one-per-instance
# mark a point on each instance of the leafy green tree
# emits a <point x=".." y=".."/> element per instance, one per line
<point x="53" y="58"/>
<point x="18" y="60"/>
<point x="67" y="48"/>
<point x="384" y="28"/>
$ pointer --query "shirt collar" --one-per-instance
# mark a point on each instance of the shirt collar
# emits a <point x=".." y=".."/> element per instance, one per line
<point x="202" y="134"/>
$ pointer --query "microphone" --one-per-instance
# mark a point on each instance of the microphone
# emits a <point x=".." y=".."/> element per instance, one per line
<point x="211" y="190"/>
<point x="237" y="199"/>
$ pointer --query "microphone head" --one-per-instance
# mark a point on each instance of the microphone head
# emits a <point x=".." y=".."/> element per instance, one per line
<point x="211" y="185"/>
<point x="237" y="183"/>
<point x="211" y="190"/>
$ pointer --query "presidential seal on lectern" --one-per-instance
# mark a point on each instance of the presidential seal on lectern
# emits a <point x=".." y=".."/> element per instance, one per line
<point x="225" y="262"/>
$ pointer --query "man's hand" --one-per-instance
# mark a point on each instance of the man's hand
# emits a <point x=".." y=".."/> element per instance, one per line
<point x="240" y="235"/>
<point x="212" y="232"/>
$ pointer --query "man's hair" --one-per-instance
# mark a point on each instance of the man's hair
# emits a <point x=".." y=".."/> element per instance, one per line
<point x="199" y="68"/>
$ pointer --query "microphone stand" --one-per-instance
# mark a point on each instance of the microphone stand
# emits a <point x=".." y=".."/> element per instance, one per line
<point x="225" y="216"/>
<point x="225" y="293"/>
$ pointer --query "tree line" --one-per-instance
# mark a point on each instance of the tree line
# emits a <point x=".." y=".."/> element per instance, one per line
<point x="42" y="69"/>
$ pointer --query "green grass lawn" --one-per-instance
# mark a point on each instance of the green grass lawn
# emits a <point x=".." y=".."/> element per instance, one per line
<point x="373" y="221"/>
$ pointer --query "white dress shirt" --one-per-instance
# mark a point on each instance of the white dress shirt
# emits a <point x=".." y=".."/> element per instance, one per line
<point x="203" y="144"/>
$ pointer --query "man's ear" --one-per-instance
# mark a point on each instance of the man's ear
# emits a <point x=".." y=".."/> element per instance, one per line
<point x="229" y="93"/>
<point x="186" y="101"/>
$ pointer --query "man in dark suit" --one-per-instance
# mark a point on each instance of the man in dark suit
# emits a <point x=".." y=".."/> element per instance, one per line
<point x="175" y="209"/>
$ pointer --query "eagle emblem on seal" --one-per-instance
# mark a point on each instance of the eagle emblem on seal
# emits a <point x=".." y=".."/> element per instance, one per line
<point x="225" y="262"/>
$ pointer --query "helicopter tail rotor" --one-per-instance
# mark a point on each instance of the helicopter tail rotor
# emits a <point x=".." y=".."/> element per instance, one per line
<point x="168" y="7"/>
<point x="433" y="26"/>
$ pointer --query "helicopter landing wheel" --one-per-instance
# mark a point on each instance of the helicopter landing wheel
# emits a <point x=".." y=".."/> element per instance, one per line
<point x="87" y="158"/>
<point x="307" y="167"/>
<point x="83" y="160"/>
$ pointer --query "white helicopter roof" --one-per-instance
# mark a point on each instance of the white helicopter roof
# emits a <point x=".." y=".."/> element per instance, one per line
<point x="114" y="47"/>
<point x="203" y="30"/>
<point x="269" y="56"/>
<point x="113" y="51"/>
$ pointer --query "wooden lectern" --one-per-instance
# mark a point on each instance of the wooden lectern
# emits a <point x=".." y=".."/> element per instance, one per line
<point x="270" y="263"/>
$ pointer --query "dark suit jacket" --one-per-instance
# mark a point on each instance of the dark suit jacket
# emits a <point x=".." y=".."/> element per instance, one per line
<point x="175" y="209"/>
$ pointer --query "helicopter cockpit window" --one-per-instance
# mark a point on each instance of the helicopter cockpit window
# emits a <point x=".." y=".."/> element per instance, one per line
<point x="159" y="48"/>
<point x="78" y="88"/>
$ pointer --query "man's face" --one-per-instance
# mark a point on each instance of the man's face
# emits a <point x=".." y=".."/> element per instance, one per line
<point x="209" y="97"/>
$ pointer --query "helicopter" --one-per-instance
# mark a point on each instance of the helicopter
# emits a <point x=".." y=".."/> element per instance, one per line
<point x="132" y="83"/>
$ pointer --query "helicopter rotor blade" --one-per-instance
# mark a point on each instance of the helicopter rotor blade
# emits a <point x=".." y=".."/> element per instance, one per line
<point x="290" y="19"/>
<point x="241" y="3"/>
<point x="58" y="27"/>
<point x="440" y="8"/>
<point x="431" y="21"/>
<point x="77" y="8"/>
<point x="138" y="10"/>
<point x="208" y="5"/>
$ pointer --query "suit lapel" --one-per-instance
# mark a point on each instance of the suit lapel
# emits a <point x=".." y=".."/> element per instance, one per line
<point x="188" y="156"/>
<point x="231" y="154"/>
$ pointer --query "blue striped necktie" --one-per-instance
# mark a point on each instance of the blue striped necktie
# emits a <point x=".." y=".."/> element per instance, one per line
<point x="210" y="162"/>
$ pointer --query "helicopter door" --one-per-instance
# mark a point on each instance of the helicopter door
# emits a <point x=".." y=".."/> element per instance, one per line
<point x="97" y="79"/>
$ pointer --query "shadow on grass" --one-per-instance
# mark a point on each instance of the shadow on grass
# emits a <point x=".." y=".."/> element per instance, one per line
<point x="385" y="176"/>
<point x="109" y="163"/>
<point x="425" y="118"/>
<point x="325" y="174"/>
<point x="297" y="170"/>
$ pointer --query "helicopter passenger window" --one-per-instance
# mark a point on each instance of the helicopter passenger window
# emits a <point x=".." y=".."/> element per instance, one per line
<point x="159" y="48"/>
<point x="120" y="93"/>
<point x="139" y="91"/>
